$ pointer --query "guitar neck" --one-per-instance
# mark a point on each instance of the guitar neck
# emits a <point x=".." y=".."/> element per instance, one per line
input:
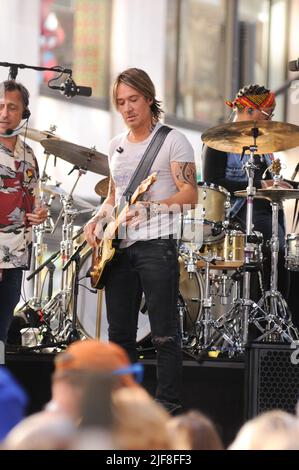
<point x="144" y="185"/>
<point x="114" y="225"/>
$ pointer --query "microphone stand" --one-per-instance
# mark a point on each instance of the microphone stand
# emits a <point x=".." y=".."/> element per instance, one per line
<point x="51" y="269"/>
<point x="74" y="334"/>
<point x="44" y="264"/>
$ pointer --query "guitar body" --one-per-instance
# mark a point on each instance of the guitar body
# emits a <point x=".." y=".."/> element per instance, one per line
<point x="103" y="254"/>
<point x="101" y="257"/>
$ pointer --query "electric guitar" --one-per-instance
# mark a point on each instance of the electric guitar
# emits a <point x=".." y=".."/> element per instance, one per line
<point x="105" y="249"/>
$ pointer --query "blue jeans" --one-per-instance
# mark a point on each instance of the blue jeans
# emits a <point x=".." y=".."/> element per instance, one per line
<point x="10" y="291"/>
<point x="151" y="267"/>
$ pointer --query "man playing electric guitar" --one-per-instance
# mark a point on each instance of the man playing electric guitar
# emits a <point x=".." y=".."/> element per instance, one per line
<point x="147" y="259"/>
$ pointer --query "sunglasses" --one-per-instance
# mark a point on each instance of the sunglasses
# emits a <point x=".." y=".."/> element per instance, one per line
<point x="269" y="115"/>
<point x="135" y="369"/>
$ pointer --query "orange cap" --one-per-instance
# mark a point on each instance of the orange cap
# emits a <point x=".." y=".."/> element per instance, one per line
<point x="94" y="355"/>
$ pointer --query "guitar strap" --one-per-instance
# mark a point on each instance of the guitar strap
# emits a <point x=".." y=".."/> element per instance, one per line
<point x="147" y="160"/>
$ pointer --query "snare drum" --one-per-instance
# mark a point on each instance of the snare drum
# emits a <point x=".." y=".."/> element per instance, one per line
<point x="292" y="252"/>
<point x="213" y="202"/>
<point x="230" y="251"/>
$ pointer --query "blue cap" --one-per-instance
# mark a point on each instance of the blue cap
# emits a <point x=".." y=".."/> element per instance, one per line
<point x="13" y="402"/>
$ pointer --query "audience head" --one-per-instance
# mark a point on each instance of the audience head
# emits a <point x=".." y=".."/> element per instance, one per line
<point x="193" y="430"/>
<point x="13" y="402"/>
<point x="41" y="431"/>
<point x="272" y="430"/>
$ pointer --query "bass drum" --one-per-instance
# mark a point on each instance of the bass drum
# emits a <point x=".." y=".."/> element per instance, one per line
<point x="92" y="311"/>
<point x="190" y="297"/>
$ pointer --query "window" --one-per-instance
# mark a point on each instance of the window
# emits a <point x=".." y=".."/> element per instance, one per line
<point x="194" y="79"/>
<point x="75" y="34"/>
<point x="215" y="47"/>
<point x="253" y="41"/>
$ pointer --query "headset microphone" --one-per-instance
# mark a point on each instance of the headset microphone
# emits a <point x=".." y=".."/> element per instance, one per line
<point x="13" y="132"/>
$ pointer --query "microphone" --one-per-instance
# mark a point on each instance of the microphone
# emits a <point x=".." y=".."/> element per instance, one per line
<point x="295" y="172"/>
<point x="70" y="89"/>
<point x="294" y="65"/>
<point x="119" y="149"/>
<point x="13" y="132"/>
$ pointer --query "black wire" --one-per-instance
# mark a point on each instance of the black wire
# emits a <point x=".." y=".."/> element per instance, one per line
<point x="55" y="79"/>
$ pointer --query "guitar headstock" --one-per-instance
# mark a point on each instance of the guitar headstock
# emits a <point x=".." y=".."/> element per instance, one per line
<point x="143" y="187"/>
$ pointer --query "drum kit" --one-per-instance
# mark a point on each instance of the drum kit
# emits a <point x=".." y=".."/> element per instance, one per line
<point x="228" y="257"/>
<point x="215" y="307"/>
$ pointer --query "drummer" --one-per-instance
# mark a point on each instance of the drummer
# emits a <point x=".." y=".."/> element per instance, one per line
<point x="252" y="103"/>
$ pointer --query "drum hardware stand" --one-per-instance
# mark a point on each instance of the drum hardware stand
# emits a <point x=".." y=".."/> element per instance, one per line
<point x="223" y="331"/>
<point x="190" y="259"/>
<point x="47" y="313"/>
<point x="249" y="249"/>
<point x="57" y="310"/>
<point x="73" y="334"/>
<point x="183" y="311"/>
<point x="39" y="248"/>
<point x="203" y="325"/>
<point x="245" y="304"/>
<point x="278" y="321"/>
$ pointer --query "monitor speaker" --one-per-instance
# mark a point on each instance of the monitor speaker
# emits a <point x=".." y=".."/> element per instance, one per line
<point x="272" y="378"/>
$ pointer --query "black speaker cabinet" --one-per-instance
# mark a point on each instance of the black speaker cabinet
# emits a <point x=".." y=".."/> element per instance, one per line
<point x="272" y="378"/>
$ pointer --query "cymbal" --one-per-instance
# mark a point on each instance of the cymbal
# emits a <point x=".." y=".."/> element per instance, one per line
<point x="273" y="136"/>
<point x="101" y="188"/>
<point x="85" y="158"/>
<point x="36" y="135"/>
<point x="272" y="193"/>
<point x="58" y="191"/>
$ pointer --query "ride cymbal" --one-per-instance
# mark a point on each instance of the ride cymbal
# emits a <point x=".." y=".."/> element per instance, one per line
<point x="85" y="158"/>
<point x="101" y="188"/>
<point x="36" y="135"/>
<point x="272" y="136"/>
<point x="272" y="193"/>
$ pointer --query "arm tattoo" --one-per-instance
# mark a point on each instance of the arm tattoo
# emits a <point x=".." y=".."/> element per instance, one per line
<point x="186" y="173"/>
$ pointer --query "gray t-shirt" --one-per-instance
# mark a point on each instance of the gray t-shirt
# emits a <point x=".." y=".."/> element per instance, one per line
<point x="176" y="148"/>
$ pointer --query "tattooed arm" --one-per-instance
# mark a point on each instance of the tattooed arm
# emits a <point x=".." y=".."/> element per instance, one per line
<point x="184" y="175"/>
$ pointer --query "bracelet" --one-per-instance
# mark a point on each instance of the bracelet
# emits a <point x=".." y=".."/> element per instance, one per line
<point x="155" y="208"/>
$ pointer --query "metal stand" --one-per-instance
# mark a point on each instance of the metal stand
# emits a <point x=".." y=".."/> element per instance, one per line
<point x="249" y="247"/>
<point x="39" y="248"/>
<point x="56" y="311"/>
<point x="278" y="322"/>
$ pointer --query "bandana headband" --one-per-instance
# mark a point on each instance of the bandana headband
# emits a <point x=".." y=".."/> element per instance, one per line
<point x="266" y="100"/>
